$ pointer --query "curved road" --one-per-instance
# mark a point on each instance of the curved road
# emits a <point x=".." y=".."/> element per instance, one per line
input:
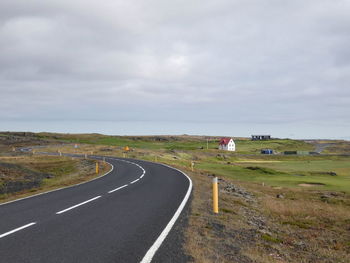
<point x="121" y="217"/>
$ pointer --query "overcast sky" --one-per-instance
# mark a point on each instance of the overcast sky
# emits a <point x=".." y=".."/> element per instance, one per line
<point x="231" y="67"/>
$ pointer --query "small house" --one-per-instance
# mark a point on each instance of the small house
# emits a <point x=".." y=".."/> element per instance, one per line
<point x="261" y="137"/>
<point x="227" y="144"/>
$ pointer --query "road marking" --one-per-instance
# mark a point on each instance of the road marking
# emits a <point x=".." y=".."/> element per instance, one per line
<point x="134" y="181"/>
<point x="17" y="229"/>
<point x="151" y="252"/>
<point x="118" y="188"/>
<point x="139" y="166"/>
<point x="75" y="206"/>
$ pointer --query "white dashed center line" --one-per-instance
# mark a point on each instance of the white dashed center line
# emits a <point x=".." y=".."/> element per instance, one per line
<point x="74" y="206"/>
<point x="17" y="229"/>
<point x="118" y="188"/>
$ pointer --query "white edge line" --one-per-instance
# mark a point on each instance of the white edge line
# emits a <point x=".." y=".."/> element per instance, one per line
<point x="117" y="189"/>
<point x="77" y="205"/>
<point x="134" y="181"/>
<point x="17" y="229"/>
<point x="60" y="188"/>
<point x="153" y="249"/>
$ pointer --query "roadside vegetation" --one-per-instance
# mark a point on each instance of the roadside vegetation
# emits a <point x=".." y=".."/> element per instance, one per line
<point x="273" y="208"/>
<point x="23" y="174"/>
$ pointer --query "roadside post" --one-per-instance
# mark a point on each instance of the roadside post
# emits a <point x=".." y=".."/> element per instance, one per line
<point x="96" y="167"/>
<point x="192" y="166"/>
<point x="126" y="150"/>
<point x="104" y="159"/>
<point x="85" y="156"/>
<point x="215" y="196"/>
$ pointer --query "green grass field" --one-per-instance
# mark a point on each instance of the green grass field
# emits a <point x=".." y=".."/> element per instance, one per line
<point x="287" y="174"/>
<point x="140" y="142"/>
<point x="248" y="146"/>
<point x="178" y="142"/>
<point x="321" y="172"/>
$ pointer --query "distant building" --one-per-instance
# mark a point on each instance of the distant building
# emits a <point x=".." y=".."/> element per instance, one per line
<point x="227" y="144"/>
<point x="267" y="151"/>
<point x="260" y="137"/>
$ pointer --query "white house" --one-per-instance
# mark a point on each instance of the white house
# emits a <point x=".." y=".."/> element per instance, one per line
<point x="227" y="144"/>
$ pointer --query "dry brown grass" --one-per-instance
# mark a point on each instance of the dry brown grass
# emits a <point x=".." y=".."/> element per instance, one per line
<point x="216" y="238"/>
<point x="301" y="228"/>
<point x="65" y="171"/>
<point x="305" y="208"/>
<point x="312" y="228"/>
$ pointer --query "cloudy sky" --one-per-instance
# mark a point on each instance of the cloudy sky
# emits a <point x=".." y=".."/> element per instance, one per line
<point x="224" y="67"/>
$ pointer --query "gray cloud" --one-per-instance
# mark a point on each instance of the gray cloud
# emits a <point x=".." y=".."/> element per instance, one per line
<point x="250" y="62"/>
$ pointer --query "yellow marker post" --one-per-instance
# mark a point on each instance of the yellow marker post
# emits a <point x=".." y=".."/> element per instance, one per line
<point x="215" y="196"/>
<point x="96" y="168"/>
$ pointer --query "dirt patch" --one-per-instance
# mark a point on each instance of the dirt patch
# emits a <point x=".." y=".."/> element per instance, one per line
<point x="311" y="184"/>
<point x="258" y="161"/>
<point x="261" y="169"/>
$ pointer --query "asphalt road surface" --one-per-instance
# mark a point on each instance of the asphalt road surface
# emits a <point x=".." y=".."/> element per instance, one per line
<point x="123" y="216"/>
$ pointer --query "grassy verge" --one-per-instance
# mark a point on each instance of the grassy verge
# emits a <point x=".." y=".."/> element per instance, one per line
<point x="26" y="175"/>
